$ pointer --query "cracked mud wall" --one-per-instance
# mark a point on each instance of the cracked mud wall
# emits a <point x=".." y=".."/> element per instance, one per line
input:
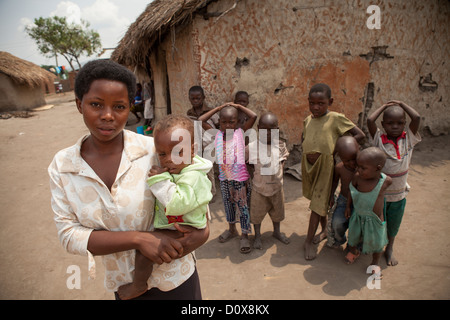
<point x="276" y="50"/>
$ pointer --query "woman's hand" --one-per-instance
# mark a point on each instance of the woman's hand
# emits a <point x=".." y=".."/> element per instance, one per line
<point x="161" y="246"/>
<point x="158" y="247"/>
<point x="192" y="238"/>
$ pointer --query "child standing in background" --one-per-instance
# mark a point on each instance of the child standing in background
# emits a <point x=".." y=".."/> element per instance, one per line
<point x="242" y="98"/>
<point x="321" y="129"/>
<point x="398" y="146"/>
<point x="233" y="174"/>
<point x="196" y="97"/>
<point x="267" y="187"/>
<point x="347" y="149"/>
<point x="148" y="98"/>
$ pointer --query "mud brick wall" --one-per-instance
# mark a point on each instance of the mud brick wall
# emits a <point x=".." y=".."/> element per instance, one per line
<point x="276" y="50"/>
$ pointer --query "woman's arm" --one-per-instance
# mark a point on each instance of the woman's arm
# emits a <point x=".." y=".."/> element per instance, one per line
<point x="189" y="237"/>
<point x="156" y="246"/>
<point x="78" y="239"/>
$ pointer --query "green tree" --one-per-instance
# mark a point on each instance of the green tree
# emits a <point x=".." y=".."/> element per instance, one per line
<point x="55" y="36"/>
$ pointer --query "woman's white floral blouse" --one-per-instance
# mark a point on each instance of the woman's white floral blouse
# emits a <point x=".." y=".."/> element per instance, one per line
<point x="82" y="203"/>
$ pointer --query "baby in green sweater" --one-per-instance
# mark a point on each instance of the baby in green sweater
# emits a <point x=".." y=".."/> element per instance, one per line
<point x="181" y="188"/>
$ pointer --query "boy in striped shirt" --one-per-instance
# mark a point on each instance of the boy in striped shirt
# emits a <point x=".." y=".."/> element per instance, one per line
<point x="398" y="146"/>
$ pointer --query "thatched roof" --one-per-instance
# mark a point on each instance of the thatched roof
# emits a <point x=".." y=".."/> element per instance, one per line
<point x="157" y="19"/>
<point x="22" y="71"/>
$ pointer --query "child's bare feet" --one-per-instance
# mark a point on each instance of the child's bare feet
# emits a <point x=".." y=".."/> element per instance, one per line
<point x="131" y="290"/>
<point x="310" y="251"/>
<point x="280" y="236"/>
<point x="376" y="270"/>
<point x="257" y="244"/>
<point x="388" y="254"/>
<point x="320" y="237"/>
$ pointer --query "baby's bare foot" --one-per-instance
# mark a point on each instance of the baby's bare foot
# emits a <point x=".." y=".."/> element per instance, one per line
<point x="131" y="290"/>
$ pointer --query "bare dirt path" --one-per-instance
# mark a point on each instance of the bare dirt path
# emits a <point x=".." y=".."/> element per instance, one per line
<point x="34" y="265"/>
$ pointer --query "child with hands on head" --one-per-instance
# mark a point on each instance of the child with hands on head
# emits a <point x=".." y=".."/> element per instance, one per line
<point x="398" y="144"/>
<point x="233" y="174"/>
<point x="242" y="98"/>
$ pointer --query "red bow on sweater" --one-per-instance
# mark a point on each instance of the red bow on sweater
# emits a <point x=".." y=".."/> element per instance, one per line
<point x="386" y="140"/>
<point x="173" y="219"/>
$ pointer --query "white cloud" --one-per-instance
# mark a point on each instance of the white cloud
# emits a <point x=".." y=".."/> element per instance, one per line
<point x="24" y="22"/>
<point x="105" y="17"/>
<point x="68" y="9"/>
<point x="102" y="11"/>
<point x="110" y="18"/>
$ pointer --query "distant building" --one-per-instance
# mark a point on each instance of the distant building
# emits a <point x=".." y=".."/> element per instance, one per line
<point x="22" y="83"/>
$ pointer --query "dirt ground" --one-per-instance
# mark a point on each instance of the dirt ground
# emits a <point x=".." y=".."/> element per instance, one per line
<point x="35" y="266"/>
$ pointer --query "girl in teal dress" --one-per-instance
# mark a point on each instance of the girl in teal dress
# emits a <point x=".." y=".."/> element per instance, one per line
<point x="367" y="224"/>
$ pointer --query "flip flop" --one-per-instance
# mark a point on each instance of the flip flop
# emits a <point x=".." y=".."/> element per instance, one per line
<point x="350" y="257"/>
<point x="245" y="246"/>
<point x="226" y="235"/>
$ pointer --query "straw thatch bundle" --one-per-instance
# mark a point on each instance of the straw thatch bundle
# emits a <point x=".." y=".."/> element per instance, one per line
<point x="23" y="72"/>
<point x="159" y="17"/>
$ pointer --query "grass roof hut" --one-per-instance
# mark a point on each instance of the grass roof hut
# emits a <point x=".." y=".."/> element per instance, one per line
<point x="142" y="50"/>
<point x="276" y="50"/>
<point x="22" y="83"/>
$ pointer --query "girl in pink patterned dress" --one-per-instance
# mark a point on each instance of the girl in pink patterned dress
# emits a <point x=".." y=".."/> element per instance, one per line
<point x="233" y="174"/>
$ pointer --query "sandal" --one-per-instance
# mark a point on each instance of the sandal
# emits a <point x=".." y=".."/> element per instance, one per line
<point x="351" y="257"/>
<point x="226" y="235"/>
<point x="245" y="245"/>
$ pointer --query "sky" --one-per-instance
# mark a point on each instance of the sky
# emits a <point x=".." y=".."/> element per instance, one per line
<point x="110" y="18"/>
